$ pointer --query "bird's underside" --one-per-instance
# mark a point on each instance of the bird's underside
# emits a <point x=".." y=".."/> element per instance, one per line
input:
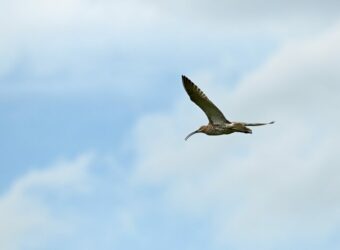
<point x="218" y="124"/>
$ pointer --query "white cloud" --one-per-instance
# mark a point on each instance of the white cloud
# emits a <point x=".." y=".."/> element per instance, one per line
<point x="279" y="18"/>
<point x="276" y="188"/>
<point x="68" y="46"/>
<point x="27" y="220"/>
<point x="86" y="202"/>
<point x="53" y="45"/>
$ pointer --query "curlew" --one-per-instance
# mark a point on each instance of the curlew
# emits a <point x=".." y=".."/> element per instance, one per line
<point x="218" y="124"/>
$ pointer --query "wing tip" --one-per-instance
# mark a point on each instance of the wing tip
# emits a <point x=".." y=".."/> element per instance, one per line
<point x="186" y="81"/>
<point x="184" y="78"/>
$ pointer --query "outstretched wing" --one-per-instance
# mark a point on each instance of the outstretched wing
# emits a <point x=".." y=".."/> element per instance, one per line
<point x="214" y="115"/>
<point x="258" y="124"/>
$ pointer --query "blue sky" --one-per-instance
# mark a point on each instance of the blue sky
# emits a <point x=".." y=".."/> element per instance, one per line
<point x="93" y="116"/>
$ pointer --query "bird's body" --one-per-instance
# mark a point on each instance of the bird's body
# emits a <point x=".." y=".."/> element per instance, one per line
<point x="223" y="129"/>
<point x="218" y="124"/>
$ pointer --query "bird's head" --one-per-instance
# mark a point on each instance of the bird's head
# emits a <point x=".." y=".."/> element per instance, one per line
<point x="202" y="129"/>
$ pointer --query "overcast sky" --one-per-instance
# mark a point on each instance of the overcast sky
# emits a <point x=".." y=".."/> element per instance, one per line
<point x="93" y="117"/>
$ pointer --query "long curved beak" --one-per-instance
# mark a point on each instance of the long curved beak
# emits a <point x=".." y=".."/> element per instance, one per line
<point x="192" y="133"/>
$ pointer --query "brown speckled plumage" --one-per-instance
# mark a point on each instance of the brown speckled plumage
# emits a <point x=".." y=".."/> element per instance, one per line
<point x="218" y="124"/>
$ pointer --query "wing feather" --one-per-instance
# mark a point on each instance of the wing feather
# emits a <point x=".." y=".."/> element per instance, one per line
<point x="215" y="116"/>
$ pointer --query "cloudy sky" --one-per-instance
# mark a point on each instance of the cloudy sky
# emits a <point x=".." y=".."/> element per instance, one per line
<point x="93" y="117"/>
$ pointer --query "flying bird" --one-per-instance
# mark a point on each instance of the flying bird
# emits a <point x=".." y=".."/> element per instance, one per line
<point x="218" y="124"/>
